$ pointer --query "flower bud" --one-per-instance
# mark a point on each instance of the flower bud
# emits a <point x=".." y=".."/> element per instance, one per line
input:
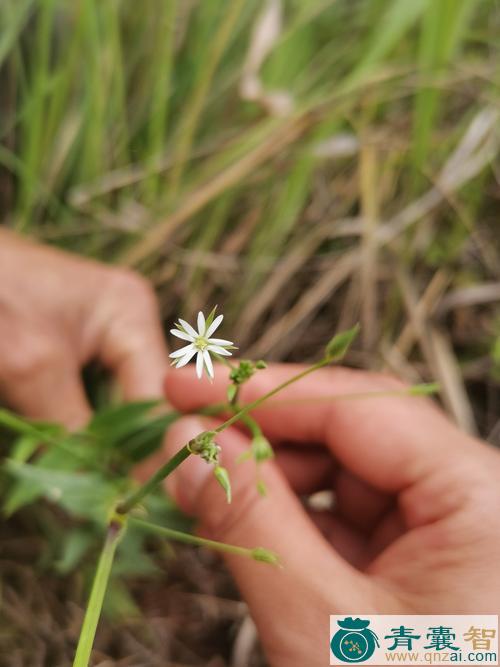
<point x="266" y="556"/>
<point x="261" y="449"/>
<point x="204" y="445"/>
<point x="231" y="392"/>
<point x="222" y="476"/>
<point x="340" y="343"/>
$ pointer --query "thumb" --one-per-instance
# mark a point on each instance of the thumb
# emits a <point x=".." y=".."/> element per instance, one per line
<point x="311" y="568"/>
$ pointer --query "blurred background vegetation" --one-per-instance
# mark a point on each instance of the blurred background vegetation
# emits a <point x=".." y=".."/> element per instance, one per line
<point x="304" y="165"/>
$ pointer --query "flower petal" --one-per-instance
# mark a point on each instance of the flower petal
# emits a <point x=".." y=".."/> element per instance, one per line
<point x="215" y="324"/>
<point x="217" y="349"/>
<point x="188" y="328"/>
<point x="219" y="341"/>
<point x="201" y="324"/>
<point x="208" y="363"/>
<point x="182" y="335"/>
<point x="199" y="364"/>
<point x="181" y="352"/>
<point x="186" y="358"/>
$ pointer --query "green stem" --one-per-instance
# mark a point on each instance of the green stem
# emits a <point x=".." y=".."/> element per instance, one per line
<point x="165" y="470"/>
<point x="414" y="390"/>
<point x="178" y="536"/>
<point x="250" y="423"/>
<point x="255" y="404"/>
<point x="94" y="607"/>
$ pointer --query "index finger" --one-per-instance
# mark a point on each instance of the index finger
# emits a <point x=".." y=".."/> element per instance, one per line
<point x="390" y="441"/>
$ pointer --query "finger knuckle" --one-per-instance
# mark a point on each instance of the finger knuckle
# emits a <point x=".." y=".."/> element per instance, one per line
<point x="29" y="357"/>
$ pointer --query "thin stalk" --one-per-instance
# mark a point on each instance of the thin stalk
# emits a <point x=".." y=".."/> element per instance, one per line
<point x="255" y="404"/>
<point x="251" y="424"/>
<point x="217" y="408"/>
<point x="163" y="472"/>
<point x="178" y="536"/>
<point x="94" y="607"/>
<point x="415" y="390"/>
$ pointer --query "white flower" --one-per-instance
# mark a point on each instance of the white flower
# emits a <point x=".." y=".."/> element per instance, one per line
<point x="200" y="343"/>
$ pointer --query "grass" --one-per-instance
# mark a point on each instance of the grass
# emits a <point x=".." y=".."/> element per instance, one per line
<point x="359" y="183"/>
<point x="129" y="135"/>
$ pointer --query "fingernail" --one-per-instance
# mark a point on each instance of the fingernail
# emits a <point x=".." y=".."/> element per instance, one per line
<point x="186" y="483"/>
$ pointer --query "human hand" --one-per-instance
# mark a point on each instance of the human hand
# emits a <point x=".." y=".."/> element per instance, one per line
<point x="57" y="312"/>
<point x="416" y="524"/>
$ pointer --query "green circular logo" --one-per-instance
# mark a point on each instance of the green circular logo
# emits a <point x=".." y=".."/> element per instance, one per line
<point x="355" y="641"/>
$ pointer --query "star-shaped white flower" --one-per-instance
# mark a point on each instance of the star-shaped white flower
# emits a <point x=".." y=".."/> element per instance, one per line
<point x="200" y="343"/>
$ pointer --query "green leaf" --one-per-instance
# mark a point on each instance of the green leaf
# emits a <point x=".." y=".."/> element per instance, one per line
<point x="147" y="438"/>
<point x="231" y="392"/>
<point x="119" y="603"/>
<point x="43" y="431"/>
<point x="24" y="447"/>
<point x="113" y="424"/>
<point x="86" y="495"/>
<point x="132" y="559"/>
<point x="23" y="492"/>
<point x="340" y="343"/>
<point x="76" y="544"/>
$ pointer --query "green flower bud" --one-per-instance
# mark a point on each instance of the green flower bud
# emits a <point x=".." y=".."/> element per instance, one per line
<point x="222" y="476"/>
<point x="261" y="449"/>
<point x="245" y="371"/>
<point x="231" y="392"/>
<point x="266" y="556"/>
<point x="340" y="343"/>
<point x="204" y="445"/>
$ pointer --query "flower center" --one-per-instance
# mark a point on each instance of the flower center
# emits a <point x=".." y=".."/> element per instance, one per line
<point x="201" y="343"/>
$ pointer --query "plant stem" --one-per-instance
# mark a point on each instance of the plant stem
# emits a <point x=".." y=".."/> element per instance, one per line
<point x="251" y="424"/>
<point x="94" y="607"/>
<point x="186" y="538"/>
<point x="254" y="404"/>
<point x="414" y="390"/>
<point x="165" y="470"/>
